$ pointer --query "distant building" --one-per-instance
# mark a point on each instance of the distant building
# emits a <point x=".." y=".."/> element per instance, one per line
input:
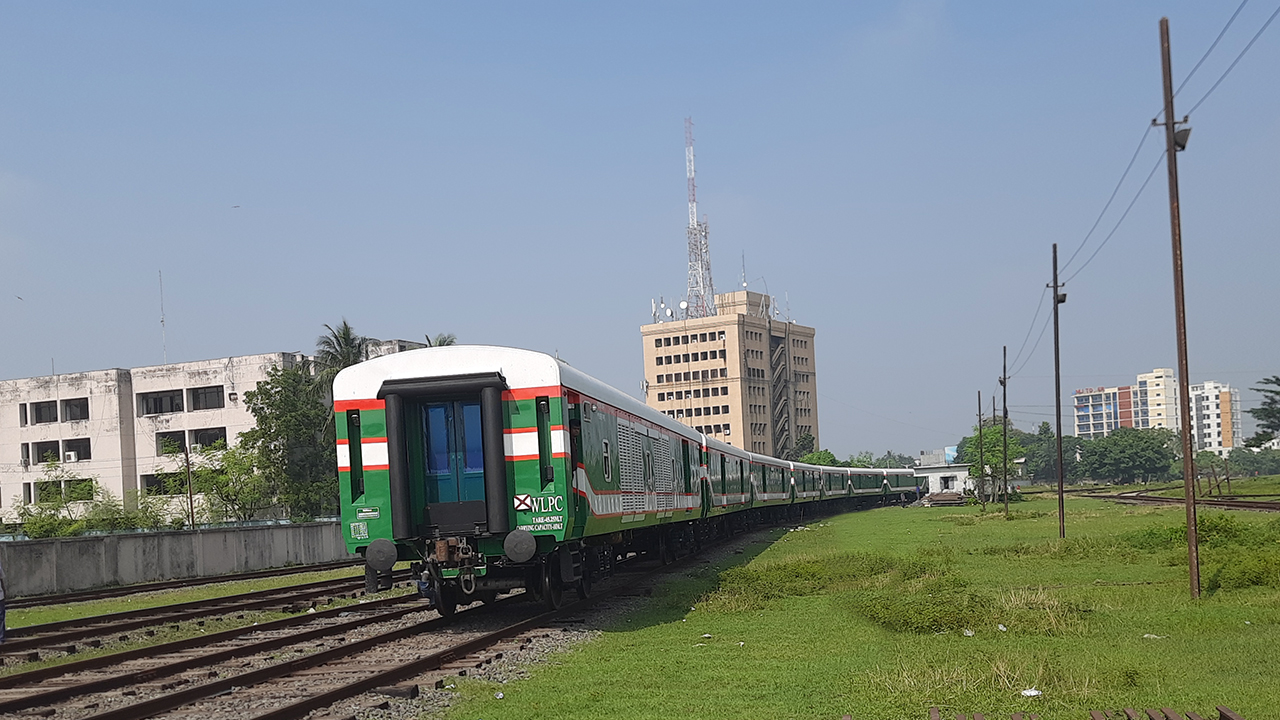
<point x="1215" y="417"/>
<point x="114" y="425"/>
<point x="1152" y="401"/>
<point x="944" y="478"/>
<point x="740" y="376"/>
<point x="942" y="456"/>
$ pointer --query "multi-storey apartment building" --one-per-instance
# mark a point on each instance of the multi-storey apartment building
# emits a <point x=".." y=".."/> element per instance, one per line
<point x="115" y="426"/>
<point x="1215" y="417"/>
<point x="1152" y="401"/>
<point x="739" y="376"/>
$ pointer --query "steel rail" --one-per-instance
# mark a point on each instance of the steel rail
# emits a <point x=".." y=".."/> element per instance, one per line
<point x="67" y="692"/>
<point x="1139" y="498"/>
<point x="136" y="588"/>
<point x="437" y="659"/>
<point x="38" y="636"/>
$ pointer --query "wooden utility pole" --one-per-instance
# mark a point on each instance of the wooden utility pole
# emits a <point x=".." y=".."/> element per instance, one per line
<point x="993" y="465"/>
<point x="982" y="465"/>
<point x="1172" y="141"/>
<point x="1004" y="406"/>
<point x="1058" y="299"/>
<point x="191" y="501"/>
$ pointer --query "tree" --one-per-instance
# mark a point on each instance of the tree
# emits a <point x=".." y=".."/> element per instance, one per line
<point x="1246" y="462"/>
<point x="231" y="484"/>
<point x="1128" y="454"/>
<point x="1267" y="414"/>
<point x="339" y="348"/>
<point x="891" y="459"/>
<point x="292" y="443"/>
<point x="863" y="459"/>
<point x="442" y="340"/>
<point x="803" y="446"/>
<point x="821" y="457"/>
<point x="1041" y="452"/>
<point x="990" y="473"/>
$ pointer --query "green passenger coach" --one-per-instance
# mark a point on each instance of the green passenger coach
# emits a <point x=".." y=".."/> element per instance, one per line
<point x="492" y="468"/>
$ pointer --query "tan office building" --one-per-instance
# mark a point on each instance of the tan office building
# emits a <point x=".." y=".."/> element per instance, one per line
<point x="739" y="376"/>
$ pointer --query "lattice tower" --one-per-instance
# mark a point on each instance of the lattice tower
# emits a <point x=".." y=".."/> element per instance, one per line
<point x="701" y="295"/>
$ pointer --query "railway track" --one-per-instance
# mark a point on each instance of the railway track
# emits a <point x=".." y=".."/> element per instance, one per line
<point x="122" y="590"/>
<point x="291" y="667"/>
<point x="62" y="636"/>
<point x="1138" y="498"/>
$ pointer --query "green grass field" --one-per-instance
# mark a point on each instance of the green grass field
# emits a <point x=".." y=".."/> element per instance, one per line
<point x="867" y="614"/>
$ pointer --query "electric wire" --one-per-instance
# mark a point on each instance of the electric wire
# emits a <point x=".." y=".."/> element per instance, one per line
<point x="1032" y="327"/>
<point x="1033" y="347"/>
<point x="1213" y="45"/>
<point x="1233" y="64"/>
<point x="1119" y="222"/>
<point x="1111" y="199"/>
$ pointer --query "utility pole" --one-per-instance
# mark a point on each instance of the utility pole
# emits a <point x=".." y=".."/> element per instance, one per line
<point x="982" y="463"/>
<point x="993" y="469"/>
<point x="1175" y="140"/>
<point x="1004" y="405"/>
<point x="1058" y="299"/>
<point x="191" y="501"/>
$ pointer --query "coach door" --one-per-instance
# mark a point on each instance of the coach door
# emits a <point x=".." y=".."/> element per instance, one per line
<point x="453" y="449"/>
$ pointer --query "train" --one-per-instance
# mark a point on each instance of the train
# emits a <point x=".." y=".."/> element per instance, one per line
<point x="490" y="469"/>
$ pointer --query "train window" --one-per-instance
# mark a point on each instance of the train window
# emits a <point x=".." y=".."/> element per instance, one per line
<point x="546" y="469"/>
<point x="354" y="439"/>
<point x="608" y="464"/>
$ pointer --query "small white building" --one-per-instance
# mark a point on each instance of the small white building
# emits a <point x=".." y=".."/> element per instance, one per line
<point x="946" y="477"/>
<point x="112" y="425"/>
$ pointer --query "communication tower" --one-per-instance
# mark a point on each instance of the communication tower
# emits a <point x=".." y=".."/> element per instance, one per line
<point x="701" y="294"/>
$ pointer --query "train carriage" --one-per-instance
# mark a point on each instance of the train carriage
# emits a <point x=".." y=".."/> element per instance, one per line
<point x="494" y="468"/>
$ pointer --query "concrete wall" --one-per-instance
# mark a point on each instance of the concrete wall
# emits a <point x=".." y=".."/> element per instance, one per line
<point x="57" y="565"/>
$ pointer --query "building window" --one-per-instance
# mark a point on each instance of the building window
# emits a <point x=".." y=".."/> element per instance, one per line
<point x="715" y="409"/>
<point x="724" y="409"/>
<point x="45" y="452"/>
<point x="697" y="412"/>
<point x="715" y="391"/>
<point x="659" y="379"/>
<point x="22" y="415"/>
<point x="207" y="398"/>
<point x="657" y="342"/>
<point x="44" y="412"/>
<point x="657" y="360"/>
<point x="79" y="446"/>
<point x="724" y="372"/>
<point x="704" y="356"/>
<point x="156" y="403"/>
<point x="719" y="429"/>
<point x="75" y="409"/>
<point x="25" y="454"/>
<point x="724" y="391"/>
<point x="207" y="437"/>
<point x="170" y="442"/>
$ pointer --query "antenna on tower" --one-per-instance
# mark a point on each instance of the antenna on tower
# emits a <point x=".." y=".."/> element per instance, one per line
<point x="701" y="292"/>
<point x="164" y="342"/>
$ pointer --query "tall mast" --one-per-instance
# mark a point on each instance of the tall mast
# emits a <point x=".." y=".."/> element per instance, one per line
<point x="701" y="294"/>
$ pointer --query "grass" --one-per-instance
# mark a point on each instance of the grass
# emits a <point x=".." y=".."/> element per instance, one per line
<point x="22" y="617"/>
<point x="867" y="614"/>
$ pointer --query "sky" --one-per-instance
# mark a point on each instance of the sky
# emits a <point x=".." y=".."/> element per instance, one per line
<point x="894" y="173"/>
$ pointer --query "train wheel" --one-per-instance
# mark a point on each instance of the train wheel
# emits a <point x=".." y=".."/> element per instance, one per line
<point x="584" y="584"/>
<point x="552" y="587"/>
<point x="447" y="600"/>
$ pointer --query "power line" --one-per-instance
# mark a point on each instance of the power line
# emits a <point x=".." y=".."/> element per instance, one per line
<point x="1033" y="347"/>
<point x="1211" y="47"/>
<point x="1120" y="221"/>
<point x="1035" y="317"/>
<point x="1232" y="66"/>
<point x="1111" y="199"/>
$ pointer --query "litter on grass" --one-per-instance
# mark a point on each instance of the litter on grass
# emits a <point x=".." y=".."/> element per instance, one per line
<point x="968" y="633"/>
<point x="498" y="695"/>
<point x="706" y="635"/>
<point x="700" y="645"/>
<point x="1149" y="636"/>
<point x="1002" y="628"/>
<point x="1031" y="692"/>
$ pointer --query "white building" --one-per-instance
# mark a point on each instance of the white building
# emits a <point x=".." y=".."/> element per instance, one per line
<point x="112" y="425"/>
<point x="1215" y="417"/>
<point x="1158" y="390"/>
<point x="1151" y="402"/>
<point x="944" y="478"/>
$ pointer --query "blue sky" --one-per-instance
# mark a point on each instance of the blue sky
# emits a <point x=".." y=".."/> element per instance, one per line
<point x="514" y="173"/>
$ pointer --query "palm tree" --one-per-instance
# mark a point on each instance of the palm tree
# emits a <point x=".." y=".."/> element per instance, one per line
<point x="442" y="340"/>
<point x="339" y="348"/>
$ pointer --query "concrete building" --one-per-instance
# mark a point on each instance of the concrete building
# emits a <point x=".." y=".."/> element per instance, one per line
<point x="113" y="425"/>
<point x="944" y="478"/>
<point x="1215" y="417"/>
<point x="740" y="375"/>
<point x="1152" y="401"/>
